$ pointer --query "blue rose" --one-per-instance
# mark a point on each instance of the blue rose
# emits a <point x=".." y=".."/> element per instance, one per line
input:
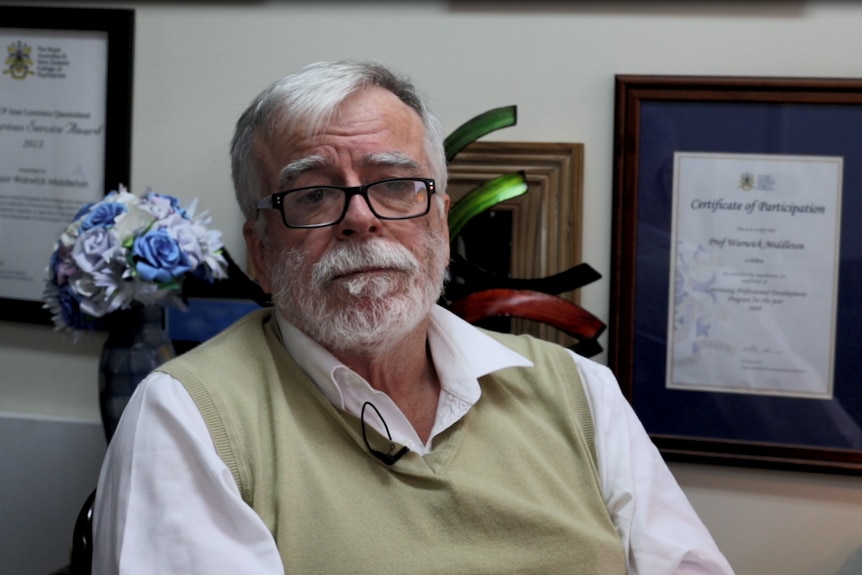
<point x="103" y="215"/>
<point x="82" y="211"/>
<point x="158" y="257"/>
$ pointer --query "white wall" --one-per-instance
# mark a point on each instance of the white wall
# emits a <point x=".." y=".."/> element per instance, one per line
<point x="198" y="64"/>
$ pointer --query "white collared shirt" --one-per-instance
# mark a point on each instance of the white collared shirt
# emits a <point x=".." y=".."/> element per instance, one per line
<point x="458" y="374"/>
<point x="161" y="461"/>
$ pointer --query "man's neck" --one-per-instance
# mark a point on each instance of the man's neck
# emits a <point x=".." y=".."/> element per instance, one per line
<point x="405" y="372"/>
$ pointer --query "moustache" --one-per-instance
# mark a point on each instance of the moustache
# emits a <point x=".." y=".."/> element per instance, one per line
<point x="351" y="257"/>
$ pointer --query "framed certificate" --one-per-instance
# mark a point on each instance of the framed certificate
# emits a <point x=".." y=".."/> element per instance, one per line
<point x="737" y="267"/>
<point x="65" y="134"/>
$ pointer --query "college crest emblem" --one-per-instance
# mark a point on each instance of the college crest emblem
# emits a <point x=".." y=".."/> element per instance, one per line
<point x="18" y="61"/>
<point x="746" y="182"/>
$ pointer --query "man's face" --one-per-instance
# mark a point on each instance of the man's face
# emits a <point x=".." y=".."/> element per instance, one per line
<point x="363" y="281"/>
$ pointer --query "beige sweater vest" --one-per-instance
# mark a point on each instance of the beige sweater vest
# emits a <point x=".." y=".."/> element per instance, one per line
<point x="511" y="488"/>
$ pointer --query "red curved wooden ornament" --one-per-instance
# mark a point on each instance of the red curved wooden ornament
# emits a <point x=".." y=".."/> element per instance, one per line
<point x="555" y="311"/>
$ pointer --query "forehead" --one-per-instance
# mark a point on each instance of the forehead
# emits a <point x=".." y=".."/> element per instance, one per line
<point x="373" y="116"/>
<point x="365" y="127"/>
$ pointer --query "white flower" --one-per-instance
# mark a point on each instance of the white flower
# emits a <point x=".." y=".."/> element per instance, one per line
<point x="94" y="249"/>
<point x="188" y="242"/>
<point x="93" y="298"/>
<point x="135" y="222"/>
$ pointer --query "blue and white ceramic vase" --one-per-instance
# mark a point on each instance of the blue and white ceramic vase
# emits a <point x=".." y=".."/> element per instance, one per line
<point x="137" y="343"/>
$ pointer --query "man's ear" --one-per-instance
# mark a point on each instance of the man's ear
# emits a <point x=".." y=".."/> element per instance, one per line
<point x="443" y="201"/>
<point x="256" y="247"/>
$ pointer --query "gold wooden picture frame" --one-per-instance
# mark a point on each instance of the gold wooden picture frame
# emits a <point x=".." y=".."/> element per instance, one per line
<point x="546" y="221"/>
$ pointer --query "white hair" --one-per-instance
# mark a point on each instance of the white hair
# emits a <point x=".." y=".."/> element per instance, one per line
<point x="304" y="103"/>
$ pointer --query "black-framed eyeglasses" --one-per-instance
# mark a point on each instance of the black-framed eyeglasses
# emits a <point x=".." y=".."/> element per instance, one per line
<point x="320" y="206"/>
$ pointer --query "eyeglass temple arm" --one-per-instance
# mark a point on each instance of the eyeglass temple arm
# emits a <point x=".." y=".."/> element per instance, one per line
<point x="268" y="202"/>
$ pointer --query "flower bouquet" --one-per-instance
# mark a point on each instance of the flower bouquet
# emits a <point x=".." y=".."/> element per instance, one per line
<point x="128" y="250"/>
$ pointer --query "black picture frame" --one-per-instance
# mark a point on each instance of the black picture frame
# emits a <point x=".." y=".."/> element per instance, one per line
<point x="119" y="26"/>
<point x="655" y="116"/>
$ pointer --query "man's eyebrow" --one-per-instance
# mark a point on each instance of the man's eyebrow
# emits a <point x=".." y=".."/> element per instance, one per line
<point x="377" y="160"/>
<point x="391" y="160"/>
<point x="298" y="167"/>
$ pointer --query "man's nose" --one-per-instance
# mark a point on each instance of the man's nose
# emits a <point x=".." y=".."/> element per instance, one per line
<point x="359" y="220"/>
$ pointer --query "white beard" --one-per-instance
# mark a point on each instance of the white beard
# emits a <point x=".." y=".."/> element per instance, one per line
<point x="365" y="312"/>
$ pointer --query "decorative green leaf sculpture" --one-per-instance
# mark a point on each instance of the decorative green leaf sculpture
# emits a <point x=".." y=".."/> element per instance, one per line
<point x="484" y="197"/>
<point x="479" y="126"/>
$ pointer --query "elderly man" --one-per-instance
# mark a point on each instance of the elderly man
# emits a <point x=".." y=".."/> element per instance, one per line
<point x="358" y="427"/>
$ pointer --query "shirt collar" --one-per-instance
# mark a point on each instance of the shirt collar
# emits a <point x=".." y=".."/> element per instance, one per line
<point x="461" y="354"/>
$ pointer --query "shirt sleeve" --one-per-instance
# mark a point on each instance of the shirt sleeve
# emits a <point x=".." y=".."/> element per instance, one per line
<point x="659" y="528"/>
<point x="165" y="501"/>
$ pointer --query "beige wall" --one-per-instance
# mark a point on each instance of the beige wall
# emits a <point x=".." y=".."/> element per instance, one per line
<point x="197" y="65"/>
